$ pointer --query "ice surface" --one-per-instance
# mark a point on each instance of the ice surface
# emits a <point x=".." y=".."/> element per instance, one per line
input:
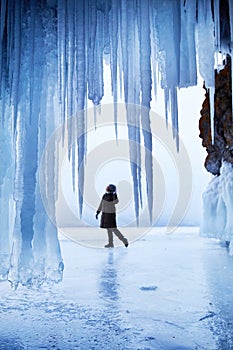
<point x="52" y="56"/>
<point x="108" y="299"/>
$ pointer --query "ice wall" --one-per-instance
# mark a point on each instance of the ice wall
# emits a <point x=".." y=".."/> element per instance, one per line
<point x="218" y="206"/>
<point x="51" y="61"/>
<point x="30" y="252"/>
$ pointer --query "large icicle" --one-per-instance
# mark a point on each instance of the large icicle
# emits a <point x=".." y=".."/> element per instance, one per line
<point x="188" y="65"/>
<point x="217" y="24"/>
<point x="206" y="50"/>
<point x="62" y="64"/>
<point x="168" y="26"/>
<point x="47" y="263"/>
<point x="81" y="22"/>
<point x="28" y="248"/>
<point x="113" y="32"/>
<point x="17" y="58"/>
<point x="130" y="65"/>
<point x="146" y="85"/>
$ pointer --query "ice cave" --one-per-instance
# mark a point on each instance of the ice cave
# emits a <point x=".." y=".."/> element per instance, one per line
<point x="53" y="61"/>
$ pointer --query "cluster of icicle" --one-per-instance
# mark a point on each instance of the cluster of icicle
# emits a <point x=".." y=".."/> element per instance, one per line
<point x="51" y="61"/>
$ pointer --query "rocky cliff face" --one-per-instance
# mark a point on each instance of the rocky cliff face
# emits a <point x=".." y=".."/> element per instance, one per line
<point x="222" y="147"/>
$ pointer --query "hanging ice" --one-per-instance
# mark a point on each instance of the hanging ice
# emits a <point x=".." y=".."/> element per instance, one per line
<point x="51" y="60"/>
<point x="28" y="94"/>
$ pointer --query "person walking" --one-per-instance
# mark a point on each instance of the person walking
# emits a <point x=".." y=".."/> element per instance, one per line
<point x="108" y="216"/>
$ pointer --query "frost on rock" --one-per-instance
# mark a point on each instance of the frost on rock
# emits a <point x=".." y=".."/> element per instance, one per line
<point x="52" y="56"/>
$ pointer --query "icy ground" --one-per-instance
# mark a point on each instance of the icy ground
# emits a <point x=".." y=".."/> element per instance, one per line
<point x="162" y="292"/>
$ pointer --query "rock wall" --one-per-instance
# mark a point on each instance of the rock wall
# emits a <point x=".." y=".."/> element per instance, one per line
<point x="222" y="148"/>
<point x="217" y="220"/>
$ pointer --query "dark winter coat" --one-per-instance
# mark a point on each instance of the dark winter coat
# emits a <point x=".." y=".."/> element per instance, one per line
<point x="108" y="209"/>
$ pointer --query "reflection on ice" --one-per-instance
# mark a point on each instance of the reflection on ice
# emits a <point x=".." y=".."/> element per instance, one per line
<point x="108" y="289"/>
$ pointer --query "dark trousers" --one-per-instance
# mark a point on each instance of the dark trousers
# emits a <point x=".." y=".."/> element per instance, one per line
<point x="117" y="233"/>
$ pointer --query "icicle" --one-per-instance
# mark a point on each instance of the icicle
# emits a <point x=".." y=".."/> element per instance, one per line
<point x="61" y="31"/>
<point x="47" y="262"/>
<point x="131" y="68"/>
<point x="174" y="113"/>
<point x="217" y="24"/>
<point x="124" y="49"/>
<point x="113" y="29"/>
<point x="98" y="81"/>
<point x="137" y="111"/>
<point x="168" y="28"/>
<point x="145" y="118"/>
<point x="39" y="238"/>
<point x="54" y="265"/>
<point x="30" y="161"/>
<point x="70" y="56"/>
<point x="119" y="60"/>
<point x="70" y="48"/>
<point x="206" y="52"/>
<point x="70" y="133"/>
<point x="106" y="10"/>
<point x="73" y="167"/>
<point x="175" y="20"/>
<point x="206" y="42"/>
<point x="171" y="104"/>
<point x="230" y="3"/>
<point x="92" y="24"/>
<point x="2" y="27"/>
<point x="13" y="275"/>
<point x="166" y="104"/>
<point x="153" y="46"/>
<point x="81" y="153"/>
<point x="135" y="158"/>
<point x="17" y="55"/>
<point x="95" y="54"/>
<point x="81" y="87"/>
<point x="31" y="57"/>
<point x="146" y="85"/>
<point x="188" y="66"/>
<point x="211" y="97"/>
<point x="6" y="222"/>
<point x="6" y="190"/>
<point x="3" y="103"/>
<point x="2" y="20"/>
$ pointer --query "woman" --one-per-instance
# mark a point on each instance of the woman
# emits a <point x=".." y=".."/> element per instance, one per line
<point x="108" y="216"/>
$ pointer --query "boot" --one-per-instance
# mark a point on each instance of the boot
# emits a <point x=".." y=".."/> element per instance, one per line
<point x="109" y="245"/>
<point x="126" y="243"/>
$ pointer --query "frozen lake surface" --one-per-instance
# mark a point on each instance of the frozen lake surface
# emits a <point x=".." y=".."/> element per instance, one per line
<point x="162" y="292"/>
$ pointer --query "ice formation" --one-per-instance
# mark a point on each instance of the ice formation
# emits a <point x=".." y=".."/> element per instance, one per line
<point x="51" y="61"/>
<point x="218" y="206"/>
